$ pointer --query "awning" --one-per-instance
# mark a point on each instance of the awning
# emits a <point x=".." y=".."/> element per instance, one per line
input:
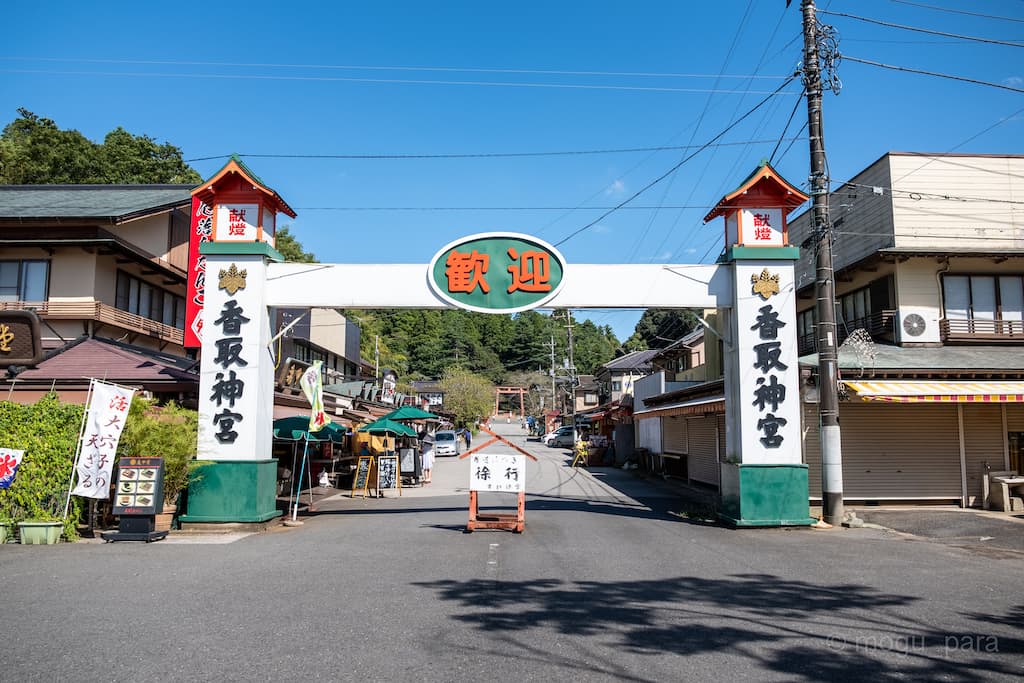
<point x="953" y="392"/>
<point x="696" y="406"/>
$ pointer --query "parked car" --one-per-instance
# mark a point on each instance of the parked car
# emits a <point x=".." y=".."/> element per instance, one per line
<point x="560" y="438"/>
<point x="446" y="442"/>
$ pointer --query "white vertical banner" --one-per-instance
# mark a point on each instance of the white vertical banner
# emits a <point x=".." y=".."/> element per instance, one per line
<point x="104" y="421"/>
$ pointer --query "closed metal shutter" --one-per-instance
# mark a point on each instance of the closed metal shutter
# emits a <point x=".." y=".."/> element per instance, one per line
<point x="811" y="437"/>
<point x="703" y="450"/>
<point x="649" y="434"/>
<point x="900" y="451"/>
<point x="674" y="434"/>
<point x="1014" y="417"/>
<point x="983" y="443"/>
<point x="721" y="437"/>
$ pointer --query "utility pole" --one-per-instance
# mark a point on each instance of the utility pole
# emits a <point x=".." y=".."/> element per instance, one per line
<point x="824" y="282"/>
<point x="572" y="376"/>
<point x="554" y="396"/>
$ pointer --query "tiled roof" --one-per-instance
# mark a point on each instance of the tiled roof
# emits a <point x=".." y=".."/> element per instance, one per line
<point x="635" y="360"/>
<point x="88" y="201"/>
<point x="111" y="361"/>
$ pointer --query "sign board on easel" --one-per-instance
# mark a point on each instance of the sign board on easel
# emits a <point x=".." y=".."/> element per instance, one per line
<point x="361" y="482"/>
<point x="387" y="474"/>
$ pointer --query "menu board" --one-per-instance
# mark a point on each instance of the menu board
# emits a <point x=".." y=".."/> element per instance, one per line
<point x="140" y="486"/>
<point x="387" y="472"/>
<point x="361" y="480"/>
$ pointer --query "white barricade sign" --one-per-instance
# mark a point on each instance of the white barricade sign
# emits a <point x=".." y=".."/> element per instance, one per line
<point x="497" y="472"/>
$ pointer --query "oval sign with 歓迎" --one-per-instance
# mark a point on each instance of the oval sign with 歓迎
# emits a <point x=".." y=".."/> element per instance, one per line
<point x="497" y="272"/>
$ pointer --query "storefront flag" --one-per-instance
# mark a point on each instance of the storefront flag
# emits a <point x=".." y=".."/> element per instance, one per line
<point x="312" y="386"/>
<point x="9" y="461"/>
<point x="101" y="432"/>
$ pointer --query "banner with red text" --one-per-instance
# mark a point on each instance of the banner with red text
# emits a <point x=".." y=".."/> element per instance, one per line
<point x="200" y="230"/>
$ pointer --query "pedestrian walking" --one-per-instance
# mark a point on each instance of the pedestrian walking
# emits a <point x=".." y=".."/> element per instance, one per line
<point x="427" y="455"/>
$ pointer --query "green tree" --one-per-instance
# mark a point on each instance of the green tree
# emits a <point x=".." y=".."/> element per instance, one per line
<point x="659" y="327"/>
<point x="34" y="150"/>
<point x="469" y="396"/>
<point x="289" y="247"/>
<point x="593" y="346"/>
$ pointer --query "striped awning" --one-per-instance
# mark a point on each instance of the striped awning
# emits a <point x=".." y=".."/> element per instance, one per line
<point x="953" y="392"/>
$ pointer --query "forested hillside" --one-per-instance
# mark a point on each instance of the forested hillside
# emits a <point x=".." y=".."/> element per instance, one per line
<point x="421" y="344"/>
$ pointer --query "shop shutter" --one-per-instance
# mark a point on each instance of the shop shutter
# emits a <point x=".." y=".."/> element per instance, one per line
<point x="649" y="434"/>
<point x="721" y="437"/>
<point x="674" y="434"/>
<point x="703" y="449"/>
<point x="900" y="451"/>
<point x="983" y="443"/>
<point x="811" y="443"/>
<point x="1014" y="417"/>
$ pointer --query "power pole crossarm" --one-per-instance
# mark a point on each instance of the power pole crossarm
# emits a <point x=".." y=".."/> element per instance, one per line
<point x="828" y="375"/>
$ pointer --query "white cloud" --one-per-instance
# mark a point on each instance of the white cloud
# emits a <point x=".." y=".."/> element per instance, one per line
<point x="601" y="229"/>
<point x="617" y="187"/>
<point x="1013" y="81"/>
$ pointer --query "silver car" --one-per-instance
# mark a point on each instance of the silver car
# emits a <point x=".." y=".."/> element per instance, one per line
<point x="560" y="438"/>
<point x="446" y="443"/>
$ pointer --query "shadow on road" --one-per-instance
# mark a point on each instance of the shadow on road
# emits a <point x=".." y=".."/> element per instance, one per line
<point x="799" y="629"/>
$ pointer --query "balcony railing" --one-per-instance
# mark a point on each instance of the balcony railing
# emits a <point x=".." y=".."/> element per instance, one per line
<point x="100" y="312"/>
<point x="881" y="326"/>
<point x="973" y="329"/>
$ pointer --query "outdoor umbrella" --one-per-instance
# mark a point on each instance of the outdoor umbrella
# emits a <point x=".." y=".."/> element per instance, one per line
<point x="386" y="426"/>
<point x="296" y="428"/>
<point x="410" y="413"/>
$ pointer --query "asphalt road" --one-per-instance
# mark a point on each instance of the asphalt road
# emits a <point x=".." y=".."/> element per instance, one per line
<point x="608" y="583"/>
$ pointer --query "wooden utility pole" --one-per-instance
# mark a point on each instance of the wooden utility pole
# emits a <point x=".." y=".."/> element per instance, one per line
<point x="824" y="281"/>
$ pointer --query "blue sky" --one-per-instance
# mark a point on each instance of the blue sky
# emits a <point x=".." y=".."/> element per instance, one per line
<point x="491" y="79"/>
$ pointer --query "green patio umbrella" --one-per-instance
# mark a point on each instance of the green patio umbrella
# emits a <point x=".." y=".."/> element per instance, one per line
<point x="296" y="428"/>
<point x="410" y="413"/>
<point x="386" y="426"/>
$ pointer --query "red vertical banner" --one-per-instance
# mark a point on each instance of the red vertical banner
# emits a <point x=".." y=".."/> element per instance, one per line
<point x="200" y="230"/>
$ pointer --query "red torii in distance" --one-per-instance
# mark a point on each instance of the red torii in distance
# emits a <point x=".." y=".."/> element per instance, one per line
<point x="503" y="391"/>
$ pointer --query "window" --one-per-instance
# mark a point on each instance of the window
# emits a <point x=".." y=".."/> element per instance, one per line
<point x="616" y="385"/>
<point x="855" y="308"/>
<point x="805" y="321"/>
<point x="24" y="280"/>
<point x="983" y="297"/>
<point x="589" y="398"/>
<point x="146" y="300"/>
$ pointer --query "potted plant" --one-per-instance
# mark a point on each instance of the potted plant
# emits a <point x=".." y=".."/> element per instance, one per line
<point x="169" y="432"/>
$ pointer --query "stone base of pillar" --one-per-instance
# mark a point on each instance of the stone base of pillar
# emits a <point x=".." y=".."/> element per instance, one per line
<point x="765" y="495"/>
<point x="233" y="491"/>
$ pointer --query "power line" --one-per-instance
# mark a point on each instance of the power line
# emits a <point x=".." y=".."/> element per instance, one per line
<point x="991" y="41"/>
<point x="395" y="81"/>
<point x="676" y="167"/>
<point x="916" y="194"/>
<point x="475" y="155"/>
<point x="703" y="207"/>
<point x="957" y="11"/>
<point x="369" y="67"/>
<point x="931" y="73"/>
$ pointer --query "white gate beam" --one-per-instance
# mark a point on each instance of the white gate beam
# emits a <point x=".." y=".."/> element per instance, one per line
<point x="322" y="285"/>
